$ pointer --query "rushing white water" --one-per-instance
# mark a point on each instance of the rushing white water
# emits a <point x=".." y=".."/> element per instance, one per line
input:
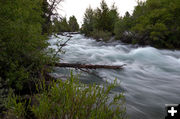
<point x="150" y="79"/>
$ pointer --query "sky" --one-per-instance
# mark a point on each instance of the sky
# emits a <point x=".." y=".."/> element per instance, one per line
<point x="78" y="7"/>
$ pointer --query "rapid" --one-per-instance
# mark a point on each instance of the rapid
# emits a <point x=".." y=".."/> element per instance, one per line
<point x="150" y="79"/>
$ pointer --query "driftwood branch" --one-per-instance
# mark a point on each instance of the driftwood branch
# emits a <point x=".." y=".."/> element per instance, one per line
<point x="62" y="45"/>
<point x="84" y="66"/>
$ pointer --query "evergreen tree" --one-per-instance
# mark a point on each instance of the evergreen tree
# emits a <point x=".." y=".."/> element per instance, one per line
<point x="88" y="21"/>
<point x="100" y="23"/>
<point x="113" y="18"/>
<point x="101" y="17"/>
<point x="49" y="9"/>
<point x="61" y="25"/>
<point x="154" y="22"/>
<point x="122" y="26"/>
<point x="74" y="26"/>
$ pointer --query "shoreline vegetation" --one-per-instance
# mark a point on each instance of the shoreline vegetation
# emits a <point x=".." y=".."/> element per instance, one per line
<point x="153" y="22"/>
<point x="26" y="89"/>
<point x="67" y="100"/>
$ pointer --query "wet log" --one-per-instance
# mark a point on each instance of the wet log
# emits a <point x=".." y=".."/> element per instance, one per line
<point x="85" y="66"/>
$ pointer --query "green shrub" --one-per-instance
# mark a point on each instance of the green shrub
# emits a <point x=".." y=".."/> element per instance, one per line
<point x="98" y="34"/>
<point x="22" y="55"/>
<point x="16" y="108"/>
<point x="74" y="100"/>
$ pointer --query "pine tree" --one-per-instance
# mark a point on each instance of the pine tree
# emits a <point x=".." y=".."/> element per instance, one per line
<point x="74" y="26"/>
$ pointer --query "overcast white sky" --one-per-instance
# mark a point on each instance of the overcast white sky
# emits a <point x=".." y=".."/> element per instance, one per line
<point x="78" y="7"/>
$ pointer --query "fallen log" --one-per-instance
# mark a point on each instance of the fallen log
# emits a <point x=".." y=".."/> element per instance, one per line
<point x="85" y="66"/>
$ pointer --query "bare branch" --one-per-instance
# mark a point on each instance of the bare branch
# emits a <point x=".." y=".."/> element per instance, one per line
<point x="62" y="45"/>
<point x="85" y="66"/>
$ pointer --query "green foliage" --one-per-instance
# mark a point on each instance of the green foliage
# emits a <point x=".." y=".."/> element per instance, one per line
<point x="154" y="22"/>
<point x="49" y="13"/>
<point x="102" y="20"/>
<point x="101" y="17"/>
<point x="71" y="99"/>
<point x="61" y="26"/>
<point x="88" y="25"/>
<point x="22" y="45"/>
<point x="3" y="93"/>
<point x="16" y="108"/>
<point x="46" y="25"/>
<point x="122" y="25"/>
<point x="74" y="26"/>
<point x="113" y="18"/>
<point x="99" y="34"/>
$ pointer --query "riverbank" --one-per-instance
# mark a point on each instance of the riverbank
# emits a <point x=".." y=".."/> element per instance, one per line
<point x="152" y="22"/>
<point x="66" y="99"/>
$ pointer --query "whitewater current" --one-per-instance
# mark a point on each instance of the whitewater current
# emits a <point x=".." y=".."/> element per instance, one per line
<point x="150" y="79"/>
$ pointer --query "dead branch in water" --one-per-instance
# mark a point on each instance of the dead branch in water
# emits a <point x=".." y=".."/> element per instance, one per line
<point x="85" y="66"/>
<point x="62" y="45"/>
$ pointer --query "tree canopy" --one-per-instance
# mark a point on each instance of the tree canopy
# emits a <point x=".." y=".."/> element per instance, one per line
<point x="74" y="26"/>
<point x="153" y="22"/>
<point x="62" y="25"/>
<point x="23" y="41"/>
<point x="101" y="21"/>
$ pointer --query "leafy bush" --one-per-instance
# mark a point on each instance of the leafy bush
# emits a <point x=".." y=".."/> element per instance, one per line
<point x="73" y="100"/>
<point x="61" y="26"/>
<point x="153" y="22"/>
<point x="101" y="35"/>
<point x="16" y="108"/>
<point x="22" y="55"/>
<point x="122" y="25"/>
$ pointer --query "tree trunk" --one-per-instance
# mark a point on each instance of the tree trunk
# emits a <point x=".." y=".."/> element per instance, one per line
<point x="84" y="66"/>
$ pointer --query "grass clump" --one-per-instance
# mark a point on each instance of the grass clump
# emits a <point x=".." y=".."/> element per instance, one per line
<point x="72" y="100"/>
<point x="16" y="108"/>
